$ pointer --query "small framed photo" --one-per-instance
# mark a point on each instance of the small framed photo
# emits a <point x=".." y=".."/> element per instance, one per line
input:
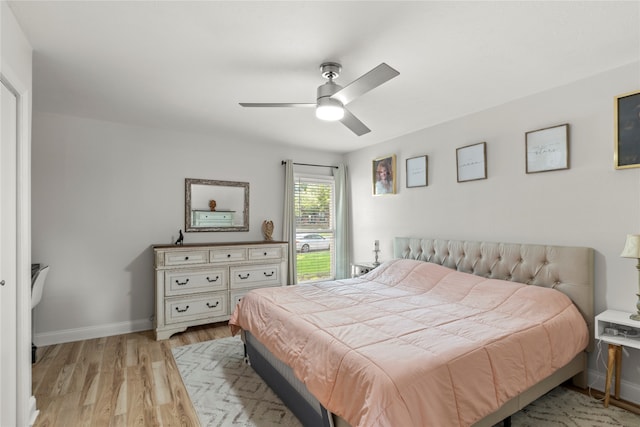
<point x="472" y="162"/>
<point x="384" y="175"/>
<point x="627" y="131"/>
<point x="417" y="171"/>
<point x="547" y="149"/>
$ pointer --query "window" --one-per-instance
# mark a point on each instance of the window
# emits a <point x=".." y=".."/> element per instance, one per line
<point x="315" y="227"/>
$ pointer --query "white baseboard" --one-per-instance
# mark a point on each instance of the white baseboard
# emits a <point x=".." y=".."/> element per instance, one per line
<point x="628" y="391"/>
<point x="78" y="334"/>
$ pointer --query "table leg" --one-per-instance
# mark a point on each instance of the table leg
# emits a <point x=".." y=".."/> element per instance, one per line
<point x="610" y="365"/>
<point x="618" y="370"/>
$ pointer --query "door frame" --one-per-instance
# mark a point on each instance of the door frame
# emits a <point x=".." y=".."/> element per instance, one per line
<point x="25" y="401"/>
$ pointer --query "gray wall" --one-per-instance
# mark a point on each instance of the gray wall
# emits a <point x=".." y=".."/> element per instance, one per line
<point x="103" y="193"/>
<point x="590" y="204"/>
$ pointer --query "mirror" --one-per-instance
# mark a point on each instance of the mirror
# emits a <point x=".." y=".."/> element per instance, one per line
<point x="216" y="205"/>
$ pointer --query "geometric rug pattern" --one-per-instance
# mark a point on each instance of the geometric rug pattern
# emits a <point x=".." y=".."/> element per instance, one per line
<point x="226" y="392"/>
<point x="564" y="407"/>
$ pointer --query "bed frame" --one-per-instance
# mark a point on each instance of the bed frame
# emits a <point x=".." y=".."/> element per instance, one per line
<point x="568" y="269"/>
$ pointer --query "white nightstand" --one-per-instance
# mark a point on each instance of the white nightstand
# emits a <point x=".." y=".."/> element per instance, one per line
<point x="360" y="268"/>
<point x="616" y="329"/>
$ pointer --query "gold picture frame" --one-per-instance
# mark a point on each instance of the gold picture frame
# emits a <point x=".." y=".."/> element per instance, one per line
<point x="627" y="131"/>
<point x="384" y="175"/>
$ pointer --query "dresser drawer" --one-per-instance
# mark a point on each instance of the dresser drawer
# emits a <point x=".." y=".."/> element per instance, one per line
<point x="229" y="254"/>
<point x="180" y="282"/>
<point x="252" y="276"/>
<point x="267" y="252"/>
<point x="186" y="257"/>
<point x="183" y="309"/>
<point x="237" y="295"/>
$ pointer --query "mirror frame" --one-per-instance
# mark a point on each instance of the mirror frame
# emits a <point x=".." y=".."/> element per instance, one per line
<point x="188" y="226"/>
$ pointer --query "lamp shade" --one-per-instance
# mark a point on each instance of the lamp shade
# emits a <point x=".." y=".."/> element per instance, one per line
<point x="631" y="247"/>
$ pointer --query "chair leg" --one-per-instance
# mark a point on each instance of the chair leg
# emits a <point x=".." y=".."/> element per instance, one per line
<point x="33" y="353"/>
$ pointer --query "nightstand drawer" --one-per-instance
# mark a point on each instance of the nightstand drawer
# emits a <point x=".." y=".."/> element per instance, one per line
<point x="180" y="282"/>
<point x="361" y="268"/>
<point x="250" y="276"/>
<point x="186" y="257"/>
<point x="202" y="307"/>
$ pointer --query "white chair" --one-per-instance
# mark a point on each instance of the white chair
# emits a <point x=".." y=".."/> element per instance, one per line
<point x="37" y="285"/>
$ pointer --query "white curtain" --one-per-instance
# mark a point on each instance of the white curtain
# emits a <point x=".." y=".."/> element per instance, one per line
<point x="342" y="242"/>
<point x="289" y="220"/>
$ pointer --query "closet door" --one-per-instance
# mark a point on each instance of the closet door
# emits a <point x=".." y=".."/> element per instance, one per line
<point x="8" y="260"/>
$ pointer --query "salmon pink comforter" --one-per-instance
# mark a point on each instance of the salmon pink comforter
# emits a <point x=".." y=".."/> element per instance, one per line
<point x="414" y="343"/>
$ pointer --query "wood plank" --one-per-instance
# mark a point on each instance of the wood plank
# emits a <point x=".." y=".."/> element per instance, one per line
<point x="122" y="380"/>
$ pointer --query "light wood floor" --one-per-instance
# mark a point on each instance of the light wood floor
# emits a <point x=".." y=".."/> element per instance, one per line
<point x="124" y="380"/>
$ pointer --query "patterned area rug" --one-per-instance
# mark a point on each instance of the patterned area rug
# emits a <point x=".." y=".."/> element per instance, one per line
<point x="227" y="392"/>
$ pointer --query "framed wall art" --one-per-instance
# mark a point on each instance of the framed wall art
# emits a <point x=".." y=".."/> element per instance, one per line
<point x="471" y="162"/>
<point x="384" y="175"/>
<point x="627" y="131"/>
<point x="547" y="149"/>
<point x="417" y="171"/>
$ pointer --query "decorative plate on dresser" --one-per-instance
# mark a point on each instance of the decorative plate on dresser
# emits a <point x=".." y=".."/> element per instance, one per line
<point x="202" y="283"/>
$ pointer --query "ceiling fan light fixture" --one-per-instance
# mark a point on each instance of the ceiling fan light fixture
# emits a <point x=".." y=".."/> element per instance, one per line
<point x="329" y="109"/>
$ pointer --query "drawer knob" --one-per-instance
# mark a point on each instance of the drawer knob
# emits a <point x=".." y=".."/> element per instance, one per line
<point x="182" y="283"/>
<point x="213" y="306"/>
<point x="212" y="280"/>
<point x="228" y="255"/>
<point x="265" y="254"/>
<point x="186" y="258"/>
<point x="244" y="277"/>
<point x="269" y="274"/>
<point x="183" y="310"/>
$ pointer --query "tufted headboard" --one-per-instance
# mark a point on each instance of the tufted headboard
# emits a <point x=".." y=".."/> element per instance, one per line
<point x="568" y="269"/>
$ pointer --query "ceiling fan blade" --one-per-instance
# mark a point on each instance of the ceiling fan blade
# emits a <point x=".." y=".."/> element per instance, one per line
<point x="274" y="104"/>
<point x="374" y="78"/>
<point x="353" y="123"/>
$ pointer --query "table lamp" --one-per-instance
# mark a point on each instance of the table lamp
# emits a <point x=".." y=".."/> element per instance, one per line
<point x="632" y="250"/>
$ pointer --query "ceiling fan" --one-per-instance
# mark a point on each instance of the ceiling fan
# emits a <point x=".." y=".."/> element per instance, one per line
<point x="332" y="98"/>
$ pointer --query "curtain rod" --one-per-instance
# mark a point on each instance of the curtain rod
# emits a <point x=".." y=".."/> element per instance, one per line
<point x="309" y="164"/>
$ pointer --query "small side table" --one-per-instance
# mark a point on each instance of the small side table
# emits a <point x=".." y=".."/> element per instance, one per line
<point x="360" y="268"/>
<point x="616" y="329"/>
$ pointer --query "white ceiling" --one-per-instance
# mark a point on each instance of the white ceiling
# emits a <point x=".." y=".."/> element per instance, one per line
<point x="185" y="65"/>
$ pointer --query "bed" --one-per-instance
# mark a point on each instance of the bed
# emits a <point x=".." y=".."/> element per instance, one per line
<point x="452" y="335"/>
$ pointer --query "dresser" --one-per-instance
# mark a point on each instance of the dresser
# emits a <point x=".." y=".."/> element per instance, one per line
<point x="202" y="283"/>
